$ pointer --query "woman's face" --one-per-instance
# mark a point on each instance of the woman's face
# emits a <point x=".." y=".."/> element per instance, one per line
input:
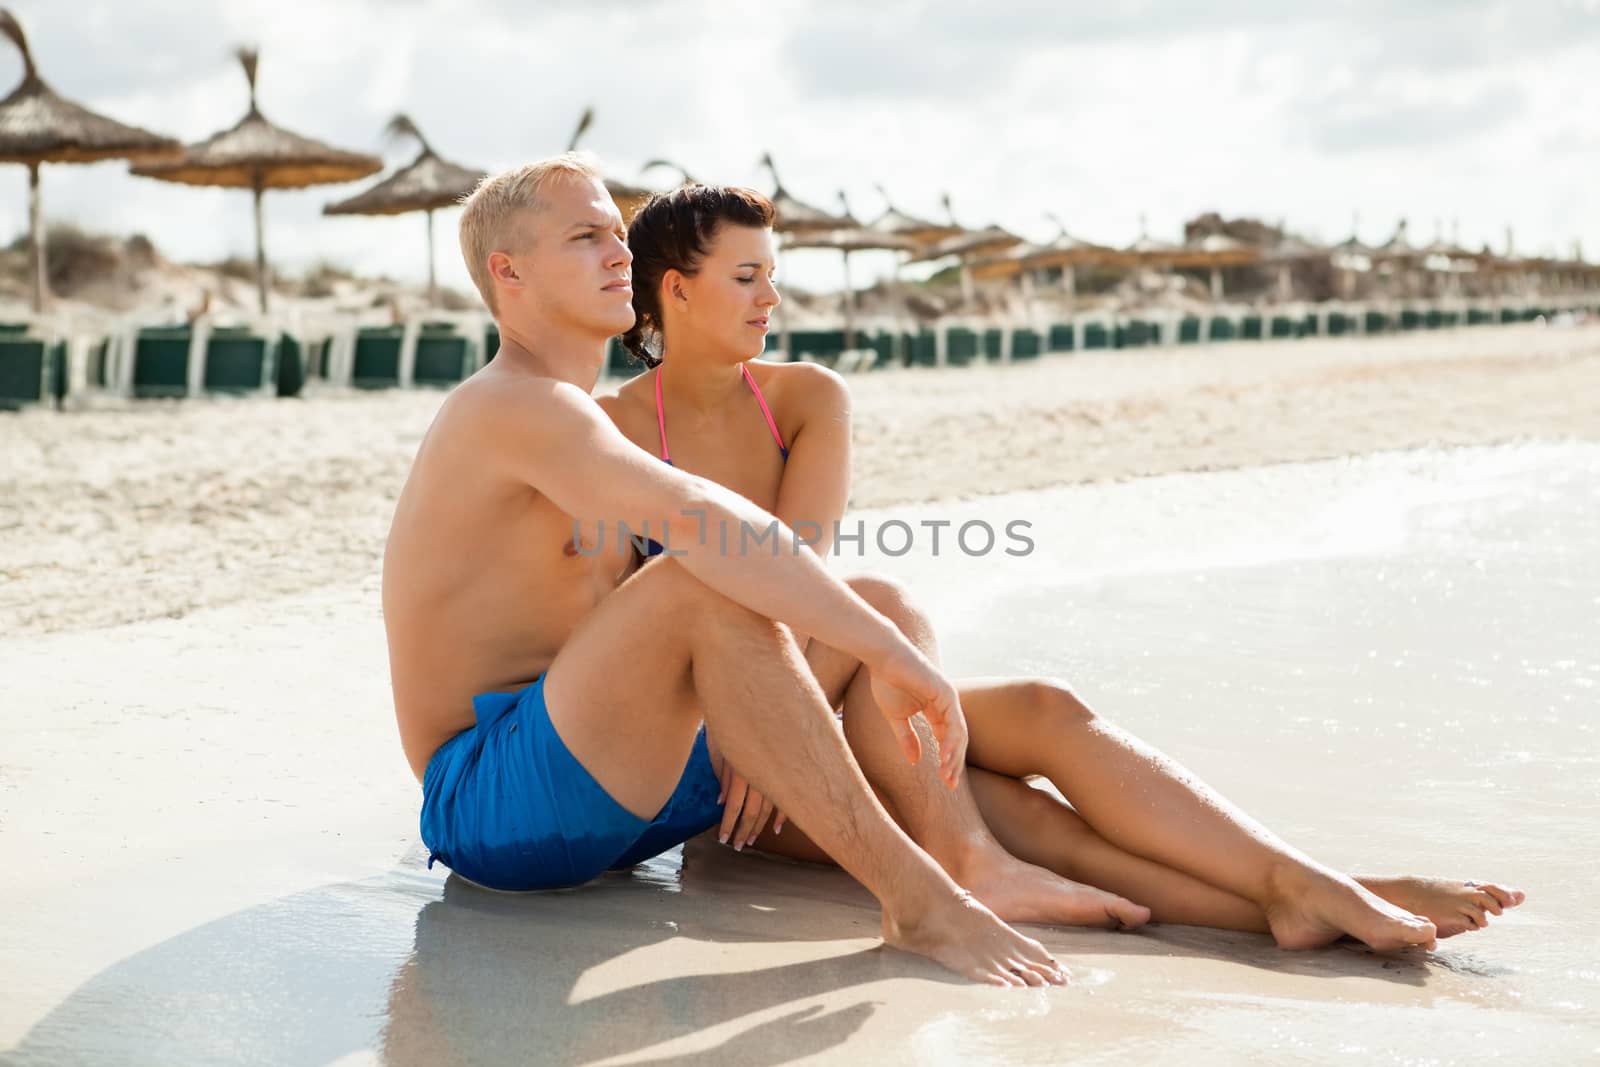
<point x="724" y="308"/>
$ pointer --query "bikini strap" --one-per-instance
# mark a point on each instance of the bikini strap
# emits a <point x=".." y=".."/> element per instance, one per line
<point x="756" y="389"/>
<point x="661" y="416"/>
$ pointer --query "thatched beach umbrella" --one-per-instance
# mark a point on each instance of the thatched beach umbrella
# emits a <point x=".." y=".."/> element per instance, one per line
<point x="1213" y="252"/>
<point x="37" y="127"/>
<point x="1066" y="253"/>
<point x="966" y="245"/>
<point x="430" y="182"/>
<point x="846" y="241"/>
<point x="796" y="216"/>
<point x="896" y="223"/>
<point x="1288" y="251"/>
<point x="256" y="155"/>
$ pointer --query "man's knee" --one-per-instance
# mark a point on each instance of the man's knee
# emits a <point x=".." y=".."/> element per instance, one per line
<point x="716" y="617"/>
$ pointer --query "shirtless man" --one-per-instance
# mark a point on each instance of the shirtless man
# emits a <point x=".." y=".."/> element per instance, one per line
<point x="550" y="702"/>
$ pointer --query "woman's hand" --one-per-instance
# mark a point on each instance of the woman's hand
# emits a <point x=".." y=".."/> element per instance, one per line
<point x="745" y="810"/>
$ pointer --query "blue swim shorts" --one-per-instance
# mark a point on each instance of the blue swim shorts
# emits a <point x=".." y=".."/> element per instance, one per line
<point x="505" y="805"/>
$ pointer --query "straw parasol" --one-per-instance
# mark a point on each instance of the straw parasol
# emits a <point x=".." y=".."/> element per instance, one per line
<point x="966" y="245"/>
<point x="37" y="127"/>
<point x="846" y="241"/>
<point x="896" y="223"/>
<point x="1065" y="253"/>
<point x="430" y="182"/>
<point x="1288" y="251"/>
<point x="256" y="155"/>
<point x="796" y="216"/>
<point x="628" y="198"/>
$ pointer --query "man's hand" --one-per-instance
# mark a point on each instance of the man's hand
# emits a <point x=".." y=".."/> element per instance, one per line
<point x="745" y="810"/>
<point x="904" y="684"/>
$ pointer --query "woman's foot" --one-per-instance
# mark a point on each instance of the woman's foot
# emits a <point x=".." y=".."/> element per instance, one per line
<point x="1453" y="906"/>
<point x="1020" y="892"/>
<point x="1310" y="907"/>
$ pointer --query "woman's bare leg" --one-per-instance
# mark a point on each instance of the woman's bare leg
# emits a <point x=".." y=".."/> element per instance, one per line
<point x="1141" y="811"/>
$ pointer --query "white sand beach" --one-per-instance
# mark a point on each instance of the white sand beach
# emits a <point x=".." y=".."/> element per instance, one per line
<point x="1351" y="583"/>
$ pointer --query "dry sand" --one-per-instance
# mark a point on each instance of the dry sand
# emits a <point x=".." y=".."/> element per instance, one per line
<point x="155" y="510"/>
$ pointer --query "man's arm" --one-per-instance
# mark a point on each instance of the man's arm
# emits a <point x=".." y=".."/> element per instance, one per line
<point x="559" y="442"/>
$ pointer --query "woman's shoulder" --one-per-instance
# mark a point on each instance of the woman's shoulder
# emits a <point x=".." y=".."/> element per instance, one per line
<point x="631" y="406"/>
<point x="802" y="389"/>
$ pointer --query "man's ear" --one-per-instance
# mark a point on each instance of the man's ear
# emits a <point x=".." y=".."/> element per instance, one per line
<point x="503" y="270"/>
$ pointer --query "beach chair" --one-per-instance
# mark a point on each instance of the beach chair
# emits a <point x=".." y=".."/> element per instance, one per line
<point x="1062" y="337"/>
<point x="1222" y="328"/>
<point x="1189" y="330"/>
<point x="1026" y="344"/>
<point x="1282" y="327"/>
<point x="993" y="344"/>
<point x="1136" y="333"/>
<point x="961" y="346"/>
<point x="922" y="348"/>
<point x="25" y="371"/>
<point x="161" y="362"/>
<point x="237" y="361"/>
<point x="1376" y="322"/>
<point x="291" y="376"/>
<point x="376" y="362"/>
<point x="442" y="356"/>
<point x="1250" y="328"/>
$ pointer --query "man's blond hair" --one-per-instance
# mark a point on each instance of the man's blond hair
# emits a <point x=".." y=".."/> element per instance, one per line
<point x="493" y="220"/>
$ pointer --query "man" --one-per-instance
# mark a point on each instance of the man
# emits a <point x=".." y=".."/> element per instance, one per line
<point x="552" y="710"/>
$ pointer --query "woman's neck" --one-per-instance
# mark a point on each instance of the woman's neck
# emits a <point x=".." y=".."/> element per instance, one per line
<point x="691" y="388"/>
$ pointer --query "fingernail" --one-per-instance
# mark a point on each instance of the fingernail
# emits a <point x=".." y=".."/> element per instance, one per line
<point x="739" y="847"/>
<point x="778" y="831"/>
<point x="723" y="838"/>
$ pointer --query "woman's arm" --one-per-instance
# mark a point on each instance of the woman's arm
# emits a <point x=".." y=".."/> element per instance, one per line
<point x="816" y="479"/>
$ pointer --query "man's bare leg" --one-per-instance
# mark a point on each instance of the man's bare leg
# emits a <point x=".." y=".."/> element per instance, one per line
<point x="946" y="822"/>
<point x="628" y="712"/>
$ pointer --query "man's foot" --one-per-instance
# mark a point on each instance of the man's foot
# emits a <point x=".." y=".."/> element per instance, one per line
<point x="1019" y="892"/>
<point x="1453" y="906"/>
<point x="1312" y="907"/>
<point x="963" y="935"/>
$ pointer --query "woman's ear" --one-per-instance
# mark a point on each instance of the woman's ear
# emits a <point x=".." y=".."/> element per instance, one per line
<point x="672" y="290"/>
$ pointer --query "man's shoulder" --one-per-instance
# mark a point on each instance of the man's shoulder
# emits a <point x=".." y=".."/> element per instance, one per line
<point x="489" y="400"/>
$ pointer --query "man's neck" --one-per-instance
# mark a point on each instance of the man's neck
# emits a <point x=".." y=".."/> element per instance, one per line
<point x="567" y="357"/>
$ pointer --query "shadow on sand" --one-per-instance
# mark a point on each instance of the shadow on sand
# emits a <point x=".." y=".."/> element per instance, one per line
<point x="546" y="978"/>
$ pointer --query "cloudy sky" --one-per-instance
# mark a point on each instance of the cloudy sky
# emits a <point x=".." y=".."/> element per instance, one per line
<point x="1481" y="111"/>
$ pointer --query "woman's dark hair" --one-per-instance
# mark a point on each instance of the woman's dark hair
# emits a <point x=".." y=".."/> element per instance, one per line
<point x="674" y="231"/>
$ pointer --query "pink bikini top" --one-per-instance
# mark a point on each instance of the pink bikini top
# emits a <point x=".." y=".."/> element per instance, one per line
<point x="661" y="417"/>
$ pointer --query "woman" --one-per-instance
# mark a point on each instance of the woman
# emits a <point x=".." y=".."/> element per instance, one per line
<point x="1137" y="824"/>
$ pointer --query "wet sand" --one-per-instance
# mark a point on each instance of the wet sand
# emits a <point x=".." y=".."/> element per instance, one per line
<point x="210" y="844"/>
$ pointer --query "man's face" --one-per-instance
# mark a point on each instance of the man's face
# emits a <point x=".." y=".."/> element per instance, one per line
<point x="574" y="262"/>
